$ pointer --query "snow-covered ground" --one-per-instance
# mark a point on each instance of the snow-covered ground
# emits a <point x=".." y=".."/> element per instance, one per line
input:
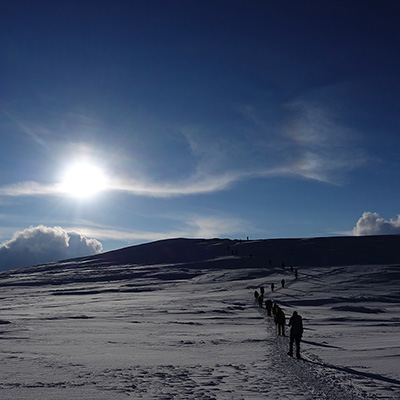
<point x="108" y="328"/>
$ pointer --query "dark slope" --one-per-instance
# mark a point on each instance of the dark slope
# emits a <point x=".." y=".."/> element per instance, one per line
<point x="184" y="258"/>
<point x="350" y="250"/>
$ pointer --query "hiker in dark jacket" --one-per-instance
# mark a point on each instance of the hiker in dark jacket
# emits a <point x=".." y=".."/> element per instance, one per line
<point x="280" y="320"/>
<point x="260" y="300"/>
<point x="296" y="332"/>
<point x="274" y="310"/>
<point x="256" y="295"/>
<point x="268" y="306"/>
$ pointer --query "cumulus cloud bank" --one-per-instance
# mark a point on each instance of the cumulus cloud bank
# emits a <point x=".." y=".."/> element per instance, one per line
<point x="42" y="244"/>
<point x="371" y="224"/>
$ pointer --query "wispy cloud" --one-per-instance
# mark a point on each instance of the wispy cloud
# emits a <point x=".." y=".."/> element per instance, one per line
<point x="131" y="236"/>
<point x="214" y="226"/>
<point x="29" y="188"/>
<point x="188" y="225"/>
<point x="299" y="140"/>
<point x="306" y="139"/>
<point x="321" y="147"/>
<point x="191" y="186"/>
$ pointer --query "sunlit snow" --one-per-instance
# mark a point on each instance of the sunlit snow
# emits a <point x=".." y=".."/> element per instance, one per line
<point x="177" y="320"/>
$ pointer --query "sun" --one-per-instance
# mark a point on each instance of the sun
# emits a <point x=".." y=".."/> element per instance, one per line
<point x="83" y="179"/>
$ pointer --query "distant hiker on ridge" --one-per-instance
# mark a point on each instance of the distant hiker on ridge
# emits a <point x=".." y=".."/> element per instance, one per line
<point x="272" y="287"/>
<point x="283" y="283"/>
<point x="296" y="332"/>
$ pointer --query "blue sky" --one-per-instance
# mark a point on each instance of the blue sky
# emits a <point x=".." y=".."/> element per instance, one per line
<point x="205" y="118"/>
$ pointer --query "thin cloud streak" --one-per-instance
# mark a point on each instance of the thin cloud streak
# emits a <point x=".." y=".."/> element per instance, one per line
<point x="29" y="188"/>
<point x="128" y="236"/>
<point x="207" y="184"/>
<point x="193" y="226"/>
<point x="192" y="186"/>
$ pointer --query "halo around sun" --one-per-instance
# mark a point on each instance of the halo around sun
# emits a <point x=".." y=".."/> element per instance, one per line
<point x="83" y="180"/>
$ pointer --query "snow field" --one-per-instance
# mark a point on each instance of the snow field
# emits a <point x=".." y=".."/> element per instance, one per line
<point x="195" y="332"/>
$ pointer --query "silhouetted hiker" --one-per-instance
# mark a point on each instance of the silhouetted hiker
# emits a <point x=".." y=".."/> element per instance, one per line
<point x="295" y="273"/>
<point x="262" y="290"/>
<point x="283" y="283"/>
<point x="260" y="300"/>
<point x="280" y="320"/>
<point x="256" y="295"/>
<point x="272" y="287"/>
<point x="268" y="306"/>
<point x="274" y="311"/>
<point x="291" y="268"/>
<point x="296" y="332"/>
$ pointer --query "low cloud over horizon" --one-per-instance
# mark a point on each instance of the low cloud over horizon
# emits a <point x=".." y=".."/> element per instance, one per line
<point x="371" y="224"/>
<point x="42" y="244"/>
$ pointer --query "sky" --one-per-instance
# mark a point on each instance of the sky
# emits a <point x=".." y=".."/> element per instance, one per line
<point x="124" y="122"/>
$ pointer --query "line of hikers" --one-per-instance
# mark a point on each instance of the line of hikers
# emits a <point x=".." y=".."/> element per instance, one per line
<point x="295" y="321"/>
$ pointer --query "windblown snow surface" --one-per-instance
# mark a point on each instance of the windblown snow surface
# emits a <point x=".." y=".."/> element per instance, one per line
<point x="177" y="320"/>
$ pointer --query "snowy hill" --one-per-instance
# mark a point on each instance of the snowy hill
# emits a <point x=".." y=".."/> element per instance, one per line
<point x="176" y="319"/>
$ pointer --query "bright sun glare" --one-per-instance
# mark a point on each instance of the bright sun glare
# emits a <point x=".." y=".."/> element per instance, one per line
<point x="83" y="180"/>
